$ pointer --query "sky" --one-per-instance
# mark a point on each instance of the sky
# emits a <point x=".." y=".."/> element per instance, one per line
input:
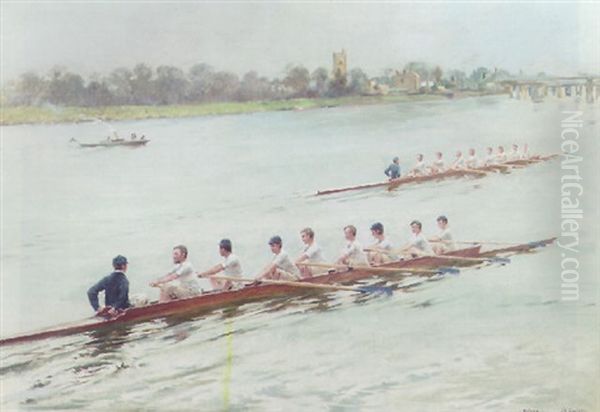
<point x="99" y="36"/>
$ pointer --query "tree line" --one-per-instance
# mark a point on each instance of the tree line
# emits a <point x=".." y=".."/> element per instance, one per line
<point x="168" y="85"/>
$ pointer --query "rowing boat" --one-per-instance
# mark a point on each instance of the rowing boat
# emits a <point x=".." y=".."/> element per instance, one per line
<point x="475" y="172"/>
<point x="215" y="300"/>
<point x="394" y="183"/>
<point x="112" y="143"/>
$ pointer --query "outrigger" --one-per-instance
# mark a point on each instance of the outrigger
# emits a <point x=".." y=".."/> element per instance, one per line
<point x="426" y="265"/>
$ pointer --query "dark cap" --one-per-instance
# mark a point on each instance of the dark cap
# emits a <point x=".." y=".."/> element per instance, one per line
<point x="119" y="261"/>
<point x="275" y="240"/>
<point x="225" y="244"/>
<point x="442" y="218"/>
<point x="395" y="159"/>
<point x="377" y="226"/>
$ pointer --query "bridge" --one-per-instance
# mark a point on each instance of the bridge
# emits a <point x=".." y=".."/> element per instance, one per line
<point x="583" y="87"/>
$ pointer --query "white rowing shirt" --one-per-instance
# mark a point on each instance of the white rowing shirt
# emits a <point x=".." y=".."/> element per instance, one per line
<point x="419" y="242"/>
<point x="355" y="254"/>
<point x="232" y="266"/>
<point x="514" y="155"/>
<point x="186" y="276"/>
<point x="384" y="244"/>
<point x="472" y="162"/>
<point x="420" y="168"/>
<point x="283" y="262"/>
<point x="501" y="157"/>
<point x="438" y="164"/>
<point x="448" y="242"/>
<point x="459" y="162"/>
<point x="490" y="159"/>
<point x="313" y="253"/>
<point x="524" y="155"/>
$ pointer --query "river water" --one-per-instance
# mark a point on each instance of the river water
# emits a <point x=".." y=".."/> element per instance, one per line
<point x="496" y="338"/>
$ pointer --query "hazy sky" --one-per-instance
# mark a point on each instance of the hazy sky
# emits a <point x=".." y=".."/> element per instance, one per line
<point x="89" y="37"/>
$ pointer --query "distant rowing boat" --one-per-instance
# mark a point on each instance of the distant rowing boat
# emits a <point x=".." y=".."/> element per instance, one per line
<point x="476" y="172"/>
<point x="250" y="293"/>
<point x="113" y="143"/>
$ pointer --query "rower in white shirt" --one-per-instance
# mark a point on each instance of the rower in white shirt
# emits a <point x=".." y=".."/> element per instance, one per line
<point x="420" y="168"/>
<point x="501" y="155"/>
<point x="418" y="245"/>
<point x="379" y="251"/>
<point x="437" y="166"/>
<point x="353" y="254"/>
<point x="514" y="153"/>
<point x="443" y="242"/>
<point x="472" y="162"/>
<point x="311" y="254"/>
<point x="281" y="267"/>
<point x="230" y="266"/>
<point x="459" y="161"/>
<point x="525" y="153"/>
<point x="490" y="157"/>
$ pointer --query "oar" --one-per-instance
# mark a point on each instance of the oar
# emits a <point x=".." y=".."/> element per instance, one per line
<point x="535" y="244"/>
<point x="362" y="289"/>
<point x="377" y="269"/>
<point x="455" y="258"/>
<point x="494" y="259"/>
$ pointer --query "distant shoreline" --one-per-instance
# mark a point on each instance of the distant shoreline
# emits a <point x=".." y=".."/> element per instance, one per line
<point x="20" y="115"/>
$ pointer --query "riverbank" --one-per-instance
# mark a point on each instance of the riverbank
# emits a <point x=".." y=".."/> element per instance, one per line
<point x="14" y="115"/>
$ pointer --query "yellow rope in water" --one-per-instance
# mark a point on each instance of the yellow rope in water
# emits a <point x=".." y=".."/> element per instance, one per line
<point x="228" y="363"/>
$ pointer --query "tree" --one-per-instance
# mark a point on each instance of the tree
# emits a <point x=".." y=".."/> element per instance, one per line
<point x="224" y="86"/>
<point x="359" y="82"/>
<point x="298" y="80"/>
<point x="142" y="86"/>
<point x="253" y="87"/>
<point x="171" y="85"/>
<point x="200" y="77"/>
<point x="120" y="85"/>
<point x="65" y="88"/>
<point x="30" y="90"/>
<point x="319" y="79"/>
<point x="437" y="75"/>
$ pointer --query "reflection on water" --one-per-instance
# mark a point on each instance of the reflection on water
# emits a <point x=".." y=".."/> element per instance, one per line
<point x="493" y="337"/>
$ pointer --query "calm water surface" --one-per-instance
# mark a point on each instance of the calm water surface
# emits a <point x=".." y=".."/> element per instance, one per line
<point x="497" y="338"/>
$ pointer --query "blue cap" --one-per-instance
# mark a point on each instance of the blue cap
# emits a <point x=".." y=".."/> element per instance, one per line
<point x="119" y="261"/>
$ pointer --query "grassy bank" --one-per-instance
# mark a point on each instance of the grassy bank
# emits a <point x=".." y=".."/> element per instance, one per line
<point x="49" y="114"/>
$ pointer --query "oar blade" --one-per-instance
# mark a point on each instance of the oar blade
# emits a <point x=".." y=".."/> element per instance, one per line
<point x="448" y="270"/>
<point x="379" y="290"/>
<point x="500" y="260"/>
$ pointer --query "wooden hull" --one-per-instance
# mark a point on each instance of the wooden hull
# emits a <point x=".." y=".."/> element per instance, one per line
<point x="210" y="301"/>
<point x="478" y="172"/>
<point x="394" y="183"/>
<point x="216" y="300"/>
<point x="126" y="143"/>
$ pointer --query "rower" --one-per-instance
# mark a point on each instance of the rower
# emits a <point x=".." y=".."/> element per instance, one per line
<point x="281" y="268"/>
<point x="353" y="254"/>
<point x="312" y="252"/>
<point x="230" y="267"/>
<point x="420" y="169"/>
<point x="459" y="161"/>
<point x="472" y="162"/>
<point x="181" y="281"/>
<point x="393" y="170"/>
<point x="418" y="245"/>
<point x="501" y="155"/>
<point x="438" y="164"/>
<point x="115" y="287"/>
<point x="444" y="242"/>
<point x="514" y="154"/>
<point x="133" y="136"/>
<point x="379" y="251"/>
<point x="490" y="157"/>
<point x="525" y="152"/>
